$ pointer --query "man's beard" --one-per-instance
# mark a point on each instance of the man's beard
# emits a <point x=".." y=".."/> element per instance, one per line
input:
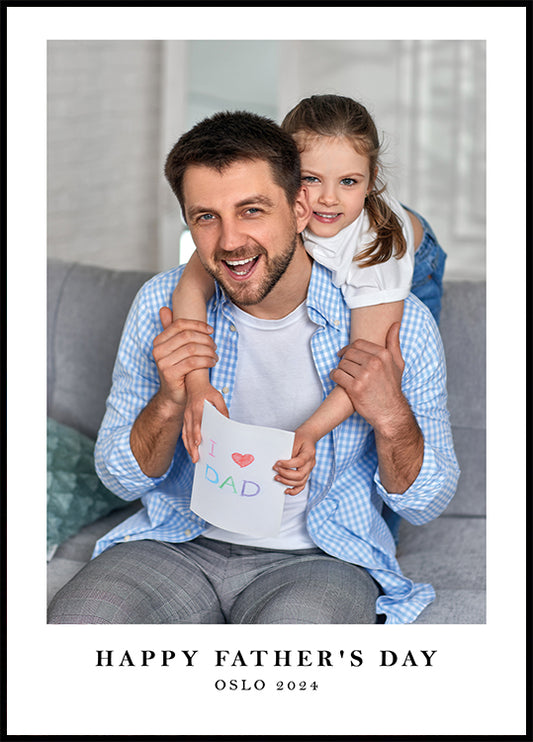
<point x="244" y="295"/>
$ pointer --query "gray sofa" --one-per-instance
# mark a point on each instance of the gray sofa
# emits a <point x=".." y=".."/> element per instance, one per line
<point x="87" y="306"/>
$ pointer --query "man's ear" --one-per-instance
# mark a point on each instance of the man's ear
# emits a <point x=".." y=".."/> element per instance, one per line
<point x="302" y="209"/>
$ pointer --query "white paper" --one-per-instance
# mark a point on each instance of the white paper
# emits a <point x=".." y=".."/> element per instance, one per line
<point x="234" y="486"/>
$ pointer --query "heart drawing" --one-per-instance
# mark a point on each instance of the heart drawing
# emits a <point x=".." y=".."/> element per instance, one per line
<point x="242" y="459"/>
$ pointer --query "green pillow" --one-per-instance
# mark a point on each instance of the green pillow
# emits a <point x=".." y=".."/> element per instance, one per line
<point x="75" y="495"/>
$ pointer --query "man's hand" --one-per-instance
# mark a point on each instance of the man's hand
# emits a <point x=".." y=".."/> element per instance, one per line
<point x="183" y="346"/>
<point x="371" y="376"/>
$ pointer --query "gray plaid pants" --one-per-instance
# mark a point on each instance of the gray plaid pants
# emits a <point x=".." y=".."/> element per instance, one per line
<point x="208" y="581"/>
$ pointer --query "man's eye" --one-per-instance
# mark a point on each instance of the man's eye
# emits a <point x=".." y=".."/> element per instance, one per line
<point x="253" y="210"/>
<point x="205" y="217"/>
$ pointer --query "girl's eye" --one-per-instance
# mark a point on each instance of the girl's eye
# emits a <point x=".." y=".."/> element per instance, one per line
<point x="309" y="179"/>
<point x="348" y="181"/>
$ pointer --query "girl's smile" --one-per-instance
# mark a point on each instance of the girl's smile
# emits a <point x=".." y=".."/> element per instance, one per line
<point x="326" y="218"/>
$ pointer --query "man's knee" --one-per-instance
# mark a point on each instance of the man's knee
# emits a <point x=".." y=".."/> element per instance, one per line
<point x="321" y="591"/>
<point x="94" y="595"/>
<point x="139" y="582"/>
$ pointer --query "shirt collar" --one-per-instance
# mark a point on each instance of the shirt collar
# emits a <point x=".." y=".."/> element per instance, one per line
<point x="220" y="296"/>
<point x="325" y="298"/>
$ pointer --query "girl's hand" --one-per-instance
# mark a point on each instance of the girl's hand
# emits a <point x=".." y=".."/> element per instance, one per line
<point x="197" y="391"/>
<point x="296" y="470"/>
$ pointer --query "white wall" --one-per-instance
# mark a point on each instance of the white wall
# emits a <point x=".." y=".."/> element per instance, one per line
<point x="116" y="108"/>
<point x="104" y="110"/>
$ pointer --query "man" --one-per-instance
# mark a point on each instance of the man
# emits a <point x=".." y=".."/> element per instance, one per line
<point x="278" y="324"/>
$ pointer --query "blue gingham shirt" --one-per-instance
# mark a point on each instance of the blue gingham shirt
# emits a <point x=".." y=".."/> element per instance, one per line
<point x="345" y="492"/>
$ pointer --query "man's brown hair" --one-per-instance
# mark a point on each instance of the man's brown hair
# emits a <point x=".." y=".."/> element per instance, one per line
<point x="229" y="137"/>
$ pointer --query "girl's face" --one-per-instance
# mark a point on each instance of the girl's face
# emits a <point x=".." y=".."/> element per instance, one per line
<point x="337" y="179"/>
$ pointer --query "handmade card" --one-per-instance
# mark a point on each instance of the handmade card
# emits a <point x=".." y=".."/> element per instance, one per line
<point x="234" y="486"/>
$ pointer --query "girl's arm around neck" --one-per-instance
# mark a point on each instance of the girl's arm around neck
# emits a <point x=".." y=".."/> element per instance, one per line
<point x="373" y="323"/>
<point x="193" y="291"/>
<point x="367" y="323"/>
<point x="189" y="300"/>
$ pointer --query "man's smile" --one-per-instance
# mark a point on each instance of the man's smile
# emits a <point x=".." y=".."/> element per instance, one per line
<point x="240" y="269"/>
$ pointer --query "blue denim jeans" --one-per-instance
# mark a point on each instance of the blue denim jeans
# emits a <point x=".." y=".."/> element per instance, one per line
<point x="430" y="259"/>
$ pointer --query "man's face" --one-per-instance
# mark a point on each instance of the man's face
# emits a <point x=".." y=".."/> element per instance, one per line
<point x="244" y="229"/>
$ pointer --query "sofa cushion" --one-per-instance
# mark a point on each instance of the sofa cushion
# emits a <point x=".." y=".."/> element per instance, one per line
<point x="448" y="552"/>
<point x="75" y="495"/>
<point x="456" y="606"/>
<point x="87" y="308"/>
<point x="470" y="449"/>
<point x="462" y="327"/>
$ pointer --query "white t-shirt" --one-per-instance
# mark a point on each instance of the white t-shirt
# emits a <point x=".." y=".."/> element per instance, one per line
<point x="365" y="286"/>
<point x="276" y="385"/>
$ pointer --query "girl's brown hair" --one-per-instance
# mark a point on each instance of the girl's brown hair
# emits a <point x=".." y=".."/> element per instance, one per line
<point x="338" y="116"/>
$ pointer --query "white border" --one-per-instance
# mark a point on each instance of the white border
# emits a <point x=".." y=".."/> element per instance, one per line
<point x="478" y="686"/>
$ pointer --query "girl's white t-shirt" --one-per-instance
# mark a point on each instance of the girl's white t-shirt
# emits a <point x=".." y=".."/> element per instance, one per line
<point x="364" y="286"/>
<point x="276" y="395"/>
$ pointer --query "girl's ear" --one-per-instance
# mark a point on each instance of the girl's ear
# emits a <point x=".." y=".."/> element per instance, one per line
<point x="302" y="209"/>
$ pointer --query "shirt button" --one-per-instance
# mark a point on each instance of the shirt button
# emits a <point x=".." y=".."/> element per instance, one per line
<point x="225" y="389"/>
<point x="188" y="532"/>
<point x="127" y="538"/>
<point x="232" y="328"/>
<point x="336" y="322"/>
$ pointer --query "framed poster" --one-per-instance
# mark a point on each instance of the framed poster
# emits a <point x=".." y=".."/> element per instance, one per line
<point x="294" y="680"/>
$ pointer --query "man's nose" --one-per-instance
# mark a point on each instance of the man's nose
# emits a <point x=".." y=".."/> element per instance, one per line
<point x="231" y="235"/>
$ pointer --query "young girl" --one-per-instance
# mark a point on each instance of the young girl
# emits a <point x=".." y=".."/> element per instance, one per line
<point x="364" y="236"/>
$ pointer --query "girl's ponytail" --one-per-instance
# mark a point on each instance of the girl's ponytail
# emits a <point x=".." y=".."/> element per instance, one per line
<point x="389" y="240"/>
